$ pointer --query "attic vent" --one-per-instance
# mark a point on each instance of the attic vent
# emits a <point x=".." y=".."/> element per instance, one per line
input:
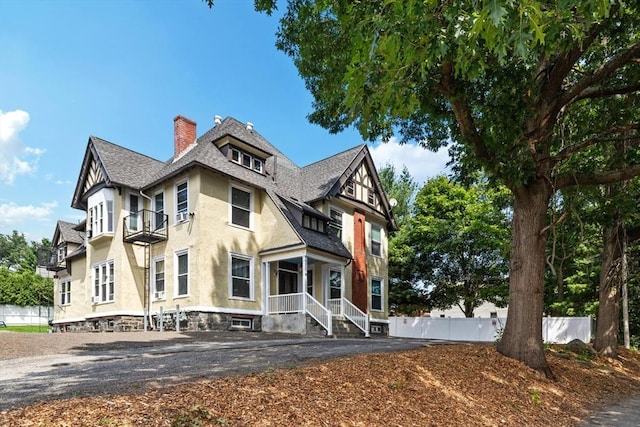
<point x="249" y="126"/>
<point x="217" y="119"/>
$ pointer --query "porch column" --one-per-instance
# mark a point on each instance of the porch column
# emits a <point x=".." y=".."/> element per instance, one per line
<point x="342" y="288"/>
<point x="304" y="283"/>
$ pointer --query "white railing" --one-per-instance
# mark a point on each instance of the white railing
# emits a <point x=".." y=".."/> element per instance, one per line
<point x="356" y="316"/>
<point x="321" y="314"/>
<point x="286" y="303"/>
<point x="335" y="306"/>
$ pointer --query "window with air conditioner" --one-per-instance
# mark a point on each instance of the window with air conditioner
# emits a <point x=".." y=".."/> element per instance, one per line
<point x="158" y="278"/>
<point x="182" y="201"/>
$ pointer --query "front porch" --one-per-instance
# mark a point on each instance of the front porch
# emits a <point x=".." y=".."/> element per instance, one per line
<point x="311" y="285"/>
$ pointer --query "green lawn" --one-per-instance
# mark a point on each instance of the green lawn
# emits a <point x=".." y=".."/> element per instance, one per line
<point x="26" y="328"/>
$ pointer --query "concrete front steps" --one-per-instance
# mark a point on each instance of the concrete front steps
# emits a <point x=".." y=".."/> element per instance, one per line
<point x="342" y="328"/>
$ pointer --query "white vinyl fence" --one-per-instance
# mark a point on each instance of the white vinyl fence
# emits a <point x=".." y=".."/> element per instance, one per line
<point x="558" y="330"/>
<point x="30" y="315"/>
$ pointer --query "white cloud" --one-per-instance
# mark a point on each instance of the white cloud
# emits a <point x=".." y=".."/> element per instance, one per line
<point x="15" y="157"/>
<point x="422" y="163"/>
<point x="12" y="214"/>
<point x="63" y="182"/>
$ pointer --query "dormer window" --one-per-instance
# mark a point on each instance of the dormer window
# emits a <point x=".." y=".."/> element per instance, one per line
<point x="247" y="160"/>
<point x="313" y="223"/>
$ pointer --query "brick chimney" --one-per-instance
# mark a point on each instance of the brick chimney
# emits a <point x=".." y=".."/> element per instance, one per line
<point x="184" y="134"/>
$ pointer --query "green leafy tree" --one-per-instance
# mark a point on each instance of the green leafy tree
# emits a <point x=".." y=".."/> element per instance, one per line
<point x="25" y="288"/>
<point x="506" y="81"/>
<point x="406" y="295"/>
<point x="460" y="238"/>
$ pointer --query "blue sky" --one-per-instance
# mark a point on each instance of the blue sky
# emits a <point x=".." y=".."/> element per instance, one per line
<point x="122" y="70"/>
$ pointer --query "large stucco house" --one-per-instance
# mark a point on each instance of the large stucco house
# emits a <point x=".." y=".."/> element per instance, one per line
<point x="229" y="233"/>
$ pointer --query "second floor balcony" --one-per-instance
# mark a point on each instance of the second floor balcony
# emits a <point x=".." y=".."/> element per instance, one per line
<point x="53" y="259"/>
<point x="145" y="226"/>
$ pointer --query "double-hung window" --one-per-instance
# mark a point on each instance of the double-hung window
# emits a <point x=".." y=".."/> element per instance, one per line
<point x="376" y="240"/>
<point x="182" y="202"/>
<point x="158" y="278"/>
<point x="158" y="208"/>
<point x="335" y="226"/>
<point x="241" y="206"/>
<point x="65" y="292"/>
<point x="182" y="272"/>
<point x="100" y="207"/>
<point x="241" y="276"/>
<point x="103" y="282"/>
<point x="376" y="294"/>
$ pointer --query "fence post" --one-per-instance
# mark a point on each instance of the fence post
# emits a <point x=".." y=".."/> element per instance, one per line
<point x="178" y="318"/>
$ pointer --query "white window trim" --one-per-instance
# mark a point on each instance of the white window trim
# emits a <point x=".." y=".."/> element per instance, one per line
<point x="99" y="298"/>
<point x="164" y="207"/>
<point x="153" y="278"/>
<point x="251" y="276"/>
<point x="184" y="217"/>
<point x="97" y="218"/>
<point x="381" y="309"/>
<point x="176" y="287"/>
<point x="330" y="230"/>
<point x="381" y="254"/>
<point x="65" y="289"/>
<point x="251" y="192"/>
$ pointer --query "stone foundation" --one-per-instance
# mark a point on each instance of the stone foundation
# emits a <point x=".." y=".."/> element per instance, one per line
<point x="189" y="321"/>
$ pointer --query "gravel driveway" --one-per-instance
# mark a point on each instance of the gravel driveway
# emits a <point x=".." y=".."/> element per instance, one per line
<point x="37" y="367"/>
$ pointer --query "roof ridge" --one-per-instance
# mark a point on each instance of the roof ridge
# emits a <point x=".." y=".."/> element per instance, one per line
<point x="359" y="147"/>
<point x="94" y="137"/>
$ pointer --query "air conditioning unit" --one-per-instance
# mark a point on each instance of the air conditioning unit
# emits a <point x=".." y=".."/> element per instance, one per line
<point x="182" y="216"/>
<point x="158" y="295"/>
<point x="95" y="300"/>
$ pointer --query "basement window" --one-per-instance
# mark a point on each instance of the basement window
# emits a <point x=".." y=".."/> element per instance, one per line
<point x="241" y="323"/>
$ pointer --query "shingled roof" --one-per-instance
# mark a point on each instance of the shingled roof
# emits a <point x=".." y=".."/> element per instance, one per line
<point x="291" y="186"/>
<point x="66" y="232"/>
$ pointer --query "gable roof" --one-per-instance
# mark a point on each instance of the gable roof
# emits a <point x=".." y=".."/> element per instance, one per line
<point x="66" y="232"/>
<point x="293" y="188"/>
<point x="108" y="164"/>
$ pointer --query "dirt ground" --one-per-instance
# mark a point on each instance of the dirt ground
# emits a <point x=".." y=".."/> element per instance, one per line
<point x="14" y="345"/>
<point x="452" y="385"/>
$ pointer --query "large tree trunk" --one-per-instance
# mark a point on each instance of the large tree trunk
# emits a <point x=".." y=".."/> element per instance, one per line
<point x="522" y="335"/>
<point x="606" y="341"/>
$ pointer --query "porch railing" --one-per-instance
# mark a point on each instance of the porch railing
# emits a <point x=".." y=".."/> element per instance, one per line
<point x="286" y="303"/>
<point x="321" y="314"/>
<point x="335" y="306"/>
<point x="356" y="316"/>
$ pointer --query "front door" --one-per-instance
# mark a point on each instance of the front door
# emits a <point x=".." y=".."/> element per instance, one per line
<point x="333" y="290"/>
<point x="287" y="277"/>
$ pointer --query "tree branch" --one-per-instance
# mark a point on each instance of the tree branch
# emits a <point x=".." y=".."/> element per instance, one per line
<point x="462" y="112"/>
<point x="602" y="136"/>
<point x="600" y="74"/>
<point x="604" y="92"/>
<point x="610" y="177"/>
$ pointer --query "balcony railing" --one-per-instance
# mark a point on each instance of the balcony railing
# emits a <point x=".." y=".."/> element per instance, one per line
<point x="48" y="258"/>
<point x="145" y="226"/>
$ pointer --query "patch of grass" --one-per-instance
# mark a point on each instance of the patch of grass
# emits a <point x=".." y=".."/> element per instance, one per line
<point x="27" y="328"/>
<point x="196" y="417"/>
<point x="397" y="385"/>
<point x="535" y="397"/>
